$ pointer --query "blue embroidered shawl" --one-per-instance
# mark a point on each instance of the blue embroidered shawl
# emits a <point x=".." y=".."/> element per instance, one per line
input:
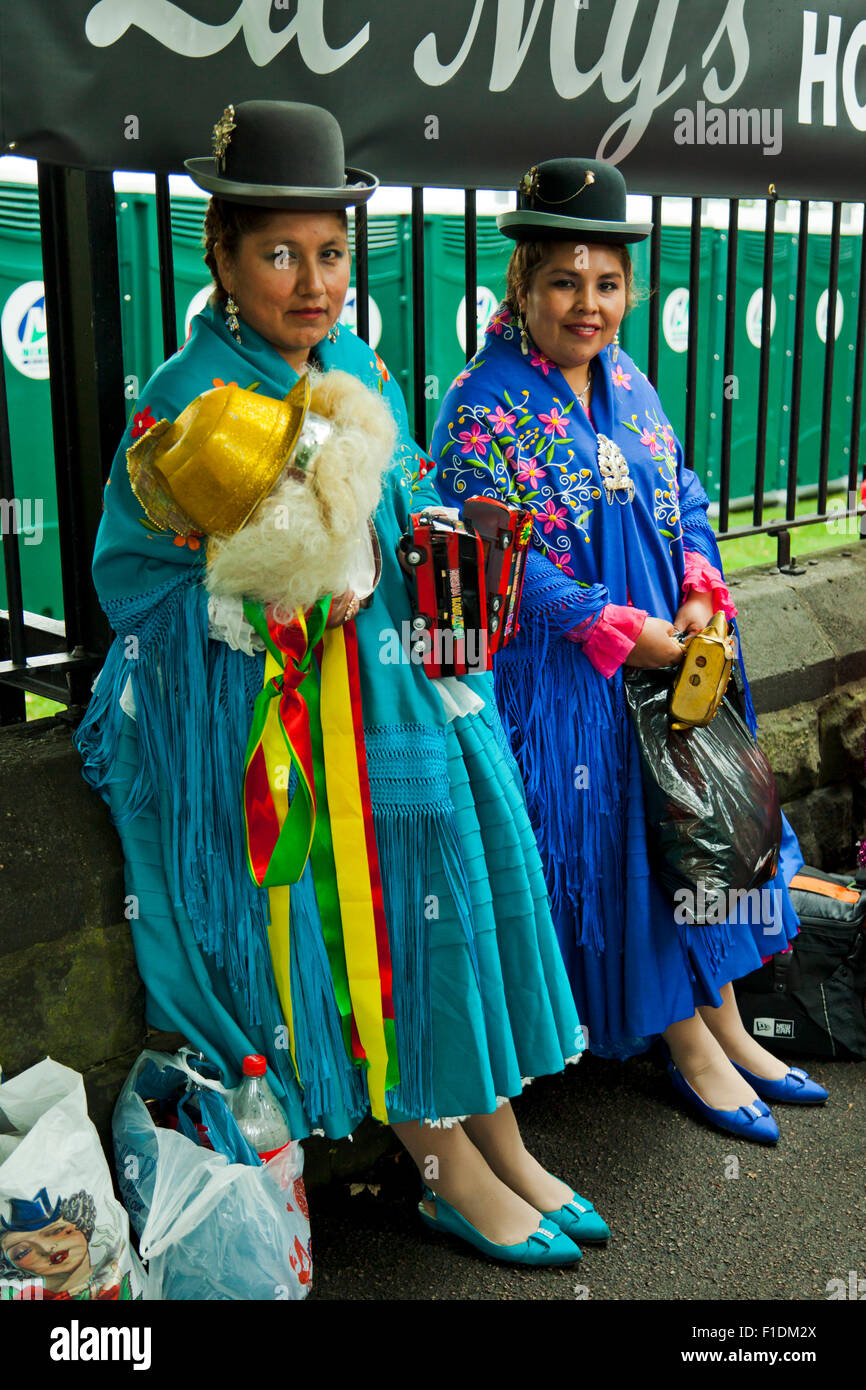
<point x="510" y="427"/>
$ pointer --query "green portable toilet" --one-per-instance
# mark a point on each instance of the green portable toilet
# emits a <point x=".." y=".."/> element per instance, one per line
<point x="25" y="348"/>
<point x="390" y="310"/>
<point x="192" y="279"/>
<point x="747" y="360"/>
<point x="138" y="269"/>
<point x="445" y="318"/>
<point x="673" y="340"/>
<point x="814" y="340"/>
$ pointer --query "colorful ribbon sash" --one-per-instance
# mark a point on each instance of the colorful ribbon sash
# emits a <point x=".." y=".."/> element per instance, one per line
<point x="311" y="721"/>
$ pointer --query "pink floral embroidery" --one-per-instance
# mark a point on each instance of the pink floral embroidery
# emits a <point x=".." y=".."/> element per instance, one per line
<point x="475" y="440"/>
<point x="537" y="359"/>
<point x="560" y="559"/>
<point x="497" y="320"/>
<point x="621" y="378"/>
<point x="554" y="518"/>
<point x="459" y="380"/>
<point x="553" y="422"/>
<point x="528" y="471"/>
<point x="501" y="420"/>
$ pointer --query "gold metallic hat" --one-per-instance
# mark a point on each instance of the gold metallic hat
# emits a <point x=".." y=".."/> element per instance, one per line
<point x="209" y="470"/>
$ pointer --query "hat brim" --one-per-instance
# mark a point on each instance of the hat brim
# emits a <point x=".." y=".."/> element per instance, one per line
<point x="541" y="225"/>
<point x="358" y="188"/>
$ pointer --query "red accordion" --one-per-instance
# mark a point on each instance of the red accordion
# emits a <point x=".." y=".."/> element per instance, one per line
<point x="468" y="578"/>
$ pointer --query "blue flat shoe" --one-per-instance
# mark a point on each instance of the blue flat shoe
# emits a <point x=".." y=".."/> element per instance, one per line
<point x="579" y="1219"/>
<point x="797" y="1088"/>
<point x="544" y="1246"/>
<point x="752" y="1121"/>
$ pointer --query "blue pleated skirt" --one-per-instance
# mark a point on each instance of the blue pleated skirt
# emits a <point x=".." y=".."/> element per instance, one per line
<point x="500" y="1011"/>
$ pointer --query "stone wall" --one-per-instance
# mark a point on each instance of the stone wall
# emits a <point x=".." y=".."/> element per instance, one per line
<point x="68" y="982"/>
<point x="804" y="644"/>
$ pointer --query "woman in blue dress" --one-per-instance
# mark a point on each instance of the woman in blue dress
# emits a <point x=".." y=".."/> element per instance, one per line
<point x="550" y="414"/>
<point x="480" y="997"/>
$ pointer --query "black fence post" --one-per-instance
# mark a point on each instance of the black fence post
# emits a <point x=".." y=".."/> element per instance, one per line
<point x="362" y="274"/>
<point x="166" y="266"/>
<point x="13" y="707"/>
<point x="419" y="333"/>
<point x="82" y="308"/>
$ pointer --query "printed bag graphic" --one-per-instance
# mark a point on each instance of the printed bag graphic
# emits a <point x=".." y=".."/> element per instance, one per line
<point x="63" y="1235"/>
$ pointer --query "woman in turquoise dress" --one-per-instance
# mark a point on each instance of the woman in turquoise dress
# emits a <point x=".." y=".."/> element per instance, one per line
<point x="550" y="414"/>
<point x="481" y="999"/>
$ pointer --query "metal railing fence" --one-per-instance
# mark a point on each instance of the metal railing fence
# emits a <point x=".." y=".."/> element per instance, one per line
<point x="82" y="303"/>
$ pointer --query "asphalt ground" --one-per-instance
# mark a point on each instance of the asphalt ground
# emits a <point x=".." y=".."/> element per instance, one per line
<point x="694" y="1213"/>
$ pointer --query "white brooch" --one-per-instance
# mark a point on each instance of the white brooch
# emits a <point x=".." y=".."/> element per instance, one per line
<point x="613" y="466"/>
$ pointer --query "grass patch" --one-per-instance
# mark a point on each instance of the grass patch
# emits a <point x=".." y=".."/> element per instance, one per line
<point x="40" y="708"/>
<point x="761" y="550"/>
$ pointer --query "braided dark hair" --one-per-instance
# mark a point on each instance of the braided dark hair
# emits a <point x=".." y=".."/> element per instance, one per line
<point x="227" y="223"/>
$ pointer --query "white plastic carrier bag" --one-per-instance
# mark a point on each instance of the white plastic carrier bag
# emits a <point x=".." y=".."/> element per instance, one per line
<point x="208" y="1228"/>
<point x="63" y="1234"/>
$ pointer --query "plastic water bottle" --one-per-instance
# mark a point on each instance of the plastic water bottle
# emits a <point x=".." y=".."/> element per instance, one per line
<point x="257" y="1111"/>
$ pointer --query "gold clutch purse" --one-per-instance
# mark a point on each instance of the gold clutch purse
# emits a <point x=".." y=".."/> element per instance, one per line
<point x="703" y="676"/>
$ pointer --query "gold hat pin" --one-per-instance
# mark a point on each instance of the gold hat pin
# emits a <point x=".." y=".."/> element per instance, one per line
<point x="222" y="134"/>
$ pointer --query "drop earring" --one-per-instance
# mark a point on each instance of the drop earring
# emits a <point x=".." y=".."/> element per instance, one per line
<point x="615" y="353"/>
<point x="524" y="337"/>
<point x="333" y="333"/>
<point x="231" y="312"/>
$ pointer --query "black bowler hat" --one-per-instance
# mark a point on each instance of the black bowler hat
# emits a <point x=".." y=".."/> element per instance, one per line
<point x="281" y="154"/>
<point x="568" y="196"/>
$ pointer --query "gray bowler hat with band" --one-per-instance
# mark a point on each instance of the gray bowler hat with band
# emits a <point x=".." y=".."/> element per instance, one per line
<point x="281" y="154"/>
<point x="570" y="197"/>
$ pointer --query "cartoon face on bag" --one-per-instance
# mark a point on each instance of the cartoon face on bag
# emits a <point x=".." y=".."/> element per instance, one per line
<point x="61" y="1246"/>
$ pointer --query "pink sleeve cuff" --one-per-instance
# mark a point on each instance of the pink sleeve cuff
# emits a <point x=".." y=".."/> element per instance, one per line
<point x="611" y="639"/>
<point x="704" y="578"/>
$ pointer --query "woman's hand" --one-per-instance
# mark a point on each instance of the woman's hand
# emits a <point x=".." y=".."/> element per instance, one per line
<point x="656" y="646"/>
<point x="344" y="607"/>
<point x="694" y="614"/>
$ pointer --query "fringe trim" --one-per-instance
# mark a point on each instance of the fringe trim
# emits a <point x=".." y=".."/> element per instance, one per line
<point x="404" y="835"/>
<point x="568" y="729"/>
<point x="194" y="762"/>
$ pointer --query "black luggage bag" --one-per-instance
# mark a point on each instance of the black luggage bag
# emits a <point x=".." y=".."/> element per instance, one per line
<point x="812" y="999"/>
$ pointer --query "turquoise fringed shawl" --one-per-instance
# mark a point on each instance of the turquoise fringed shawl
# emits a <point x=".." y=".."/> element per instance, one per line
<point x="194" y="698"/>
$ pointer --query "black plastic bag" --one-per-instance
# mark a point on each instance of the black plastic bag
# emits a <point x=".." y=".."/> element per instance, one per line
<point x="714" y="823"/>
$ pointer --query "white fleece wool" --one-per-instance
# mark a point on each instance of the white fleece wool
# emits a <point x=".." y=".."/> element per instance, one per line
<point x="301" y="541"/>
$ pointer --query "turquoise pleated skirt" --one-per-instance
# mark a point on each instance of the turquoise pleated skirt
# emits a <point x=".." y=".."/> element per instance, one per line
<point x="501" y="1009"/>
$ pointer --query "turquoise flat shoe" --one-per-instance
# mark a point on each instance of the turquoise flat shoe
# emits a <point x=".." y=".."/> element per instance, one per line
<point x="797" y="1088"/>
<point x="754" y="1121"/>
<point x="579" y="1219"/>
<point x="544" y="1246"/>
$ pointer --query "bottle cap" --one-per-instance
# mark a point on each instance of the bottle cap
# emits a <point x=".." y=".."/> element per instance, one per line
<point x="255" y="1065"/>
